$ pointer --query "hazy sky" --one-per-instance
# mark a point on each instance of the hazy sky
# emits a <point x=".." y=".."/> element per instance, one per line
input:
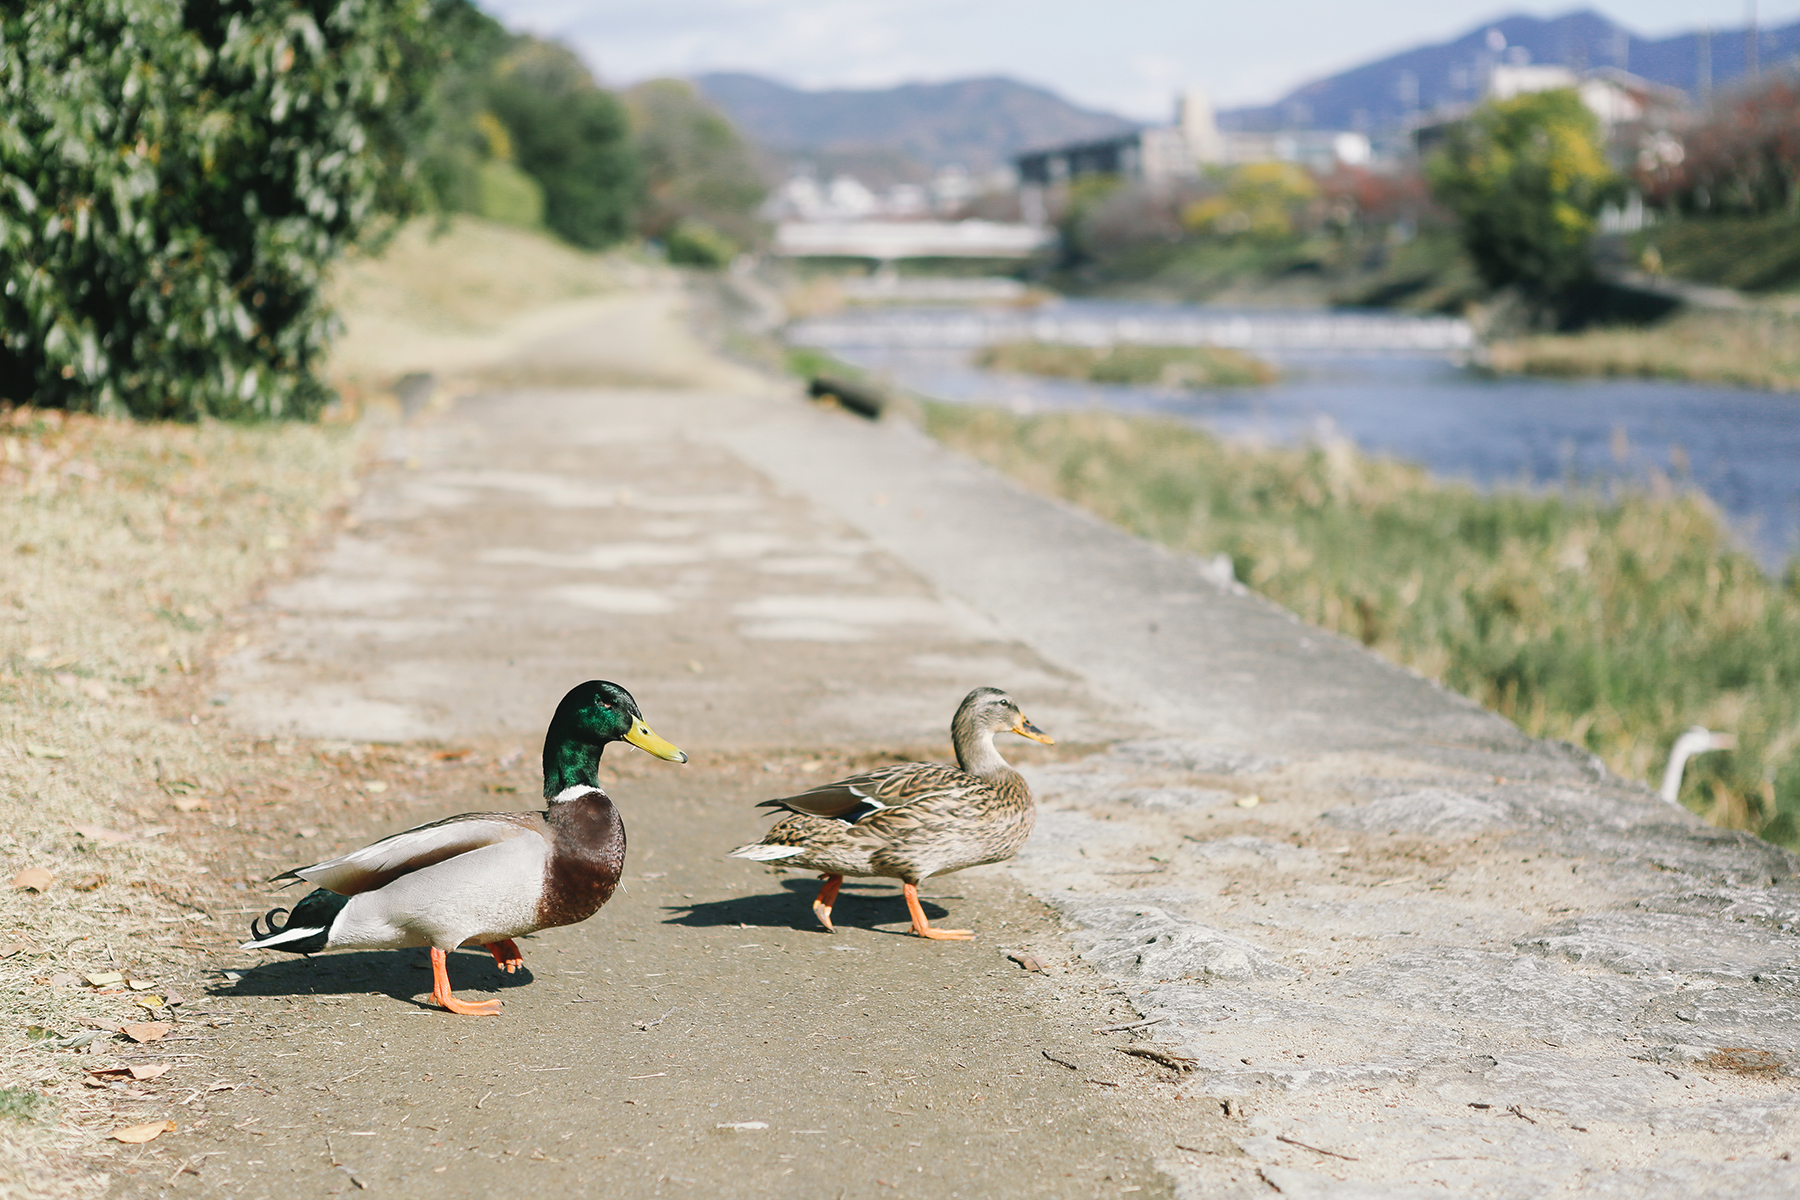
<point x="1127" y="56"/>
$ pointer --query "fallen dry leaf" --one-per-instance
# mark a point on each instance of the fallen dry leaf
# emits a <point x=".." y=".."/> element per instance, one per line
<point x="138" y="1134"/>
<point x="100" y="833"/>
<point x="190" y="804"/>
<point x="148" y="1001"/>
<point x="140" y="985"/>
<point x="88" y="883"/>
<point x="146" y="1031"/>
<point x="37" y="751"/>
<point x="33" y="879"/>
<point x="102" y="978"/>
<point x="138" y="1071"/>
<point x="14" y="948"/>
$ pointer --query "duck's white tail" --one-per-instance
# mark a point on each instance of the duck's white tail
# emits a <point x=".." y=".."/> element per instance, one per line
<point x="307" y="929"/>
<point x="766" y="852"/>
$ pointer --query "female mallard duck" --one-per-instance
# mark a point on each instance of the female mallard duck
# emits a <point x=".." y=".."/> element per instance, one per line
<point x="914" y="820"/>
<point x="482" y="877"/>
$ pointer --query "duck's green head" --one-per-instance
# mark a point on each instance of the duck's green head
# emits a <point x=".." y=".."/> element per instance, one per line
<point x="590" y="716"/>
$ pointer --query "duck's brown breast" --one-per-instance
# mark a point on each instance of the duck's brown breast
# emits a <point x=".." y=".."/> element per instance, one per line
<point x="587" y="853"/>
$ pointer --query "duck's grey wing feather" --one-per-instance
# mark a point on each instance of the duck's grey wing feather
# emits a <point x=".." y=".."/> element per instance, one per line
<point x="380" y="863"/>
<point x="857" y="797"/>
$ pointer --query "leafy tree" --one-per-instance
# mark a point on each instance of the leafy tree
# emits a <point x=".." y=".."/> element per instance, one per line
<point x="572" y="137"/>
<point x="1260" y="201"/>
<point x="1525" y="179"/>
<point x="459" y="142"/>
<point x="175" y="177"/>
<point x="701" y="185"/>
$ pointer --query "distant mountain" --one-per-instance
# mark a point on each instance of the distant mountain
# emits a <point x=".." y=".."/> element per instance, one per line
<point x="976" y="123"/>
<point x="1378" y="97"/>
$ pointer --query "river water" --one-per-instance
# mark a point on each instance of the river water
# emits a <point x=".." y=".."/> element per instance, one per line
<point x="1393" y="385"/>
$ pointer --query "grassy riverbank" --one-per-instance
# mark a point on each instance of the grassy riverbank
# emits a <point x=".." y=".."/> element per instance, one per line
<point x="1749" y="348"/>
<point x="1611" y="623"/>
<point x="128" y="548"/>
<point x="1158" y="366"/>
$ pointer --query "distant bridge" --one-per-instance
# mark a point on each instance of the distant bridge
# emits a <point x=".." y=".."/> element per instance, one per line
<point x="886" y="241"/>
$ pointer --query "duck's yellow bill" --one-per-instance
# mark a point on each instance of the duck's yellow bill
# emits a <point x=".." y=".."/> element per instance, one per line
<point x="1026" y="729"/>
<point x="640" y="736"/>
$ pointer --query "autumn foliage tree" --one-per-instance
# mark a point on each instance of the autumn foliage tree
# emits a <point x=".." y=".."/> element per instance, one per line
<point x="1743" y="160"/>
<point x="701" y="185"/>
<point x="1525" y="179"/>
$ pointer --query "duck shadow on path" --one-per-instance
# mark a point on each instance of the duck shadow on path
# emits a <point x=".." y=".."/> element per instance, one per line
<point x="404" y="975"/>
<point x="861" y="905"/>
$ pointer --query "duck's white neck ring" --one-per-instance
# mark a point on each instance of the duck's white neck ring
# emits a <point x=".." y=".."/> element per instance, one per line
<point x="573" y="793"/>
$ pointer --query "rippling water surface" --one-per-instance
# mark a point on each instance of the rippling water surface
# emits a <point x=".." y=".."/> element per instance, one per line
<point x="1739" y="447"/>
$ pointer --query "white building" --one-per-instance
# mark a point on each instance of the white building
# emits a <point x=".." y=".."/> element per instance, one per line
<point x="1186" y="148"/>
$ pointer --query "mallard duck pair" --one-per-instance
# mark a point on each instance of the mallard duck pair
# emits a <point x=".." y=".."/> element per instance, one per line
<point x="487" y="878"/>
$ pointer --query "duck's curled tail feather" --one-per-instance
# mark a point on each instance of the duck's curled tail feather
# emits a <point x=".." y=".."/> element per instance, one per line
<point x="307" y="929"/>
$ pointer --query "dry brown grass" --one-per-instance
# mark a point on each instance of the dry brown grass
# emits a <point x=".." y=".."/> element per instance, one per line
<point x="1758" y="348"/>
<point x="126" y="548"/>
<point x="1161" y="366"/>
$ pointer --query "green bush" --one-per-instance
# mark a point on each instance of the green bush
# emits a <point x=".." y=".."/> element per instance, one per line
<point x="571" y="136"/>
<point x="175" y="177"/>
<point x="509" y="196"/>
<point x="1526" y="178"/>
<point x="697" y="244"/>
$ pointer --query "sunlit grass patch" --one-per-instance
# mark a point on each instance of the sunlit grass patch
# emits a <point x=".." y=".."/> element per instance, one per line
<point x="1162" y="366"/>
<point x="1759" y="349"/>
<point x="1614" y="622"/>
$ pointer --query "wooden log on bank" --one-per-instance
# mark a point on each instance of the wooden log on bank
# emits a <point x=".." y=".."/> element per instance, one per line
<point x="860" y="398"/>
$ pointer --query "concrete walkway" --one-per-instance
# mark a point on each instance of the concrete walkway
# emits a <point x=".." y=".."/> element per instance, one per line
<point x="1404" y="949"/>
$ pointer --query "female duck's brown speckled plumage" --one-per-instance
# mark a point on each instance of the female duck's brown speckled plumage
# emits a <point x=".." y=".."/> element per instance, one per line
<point x="915" y="820"/>
<point x="484" y="878"/>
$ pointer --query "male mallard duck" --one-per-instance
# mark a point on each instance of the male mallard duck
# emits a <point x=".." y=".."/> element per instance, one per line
<point x="482" y="877"/>
<point x="914" y="820"/>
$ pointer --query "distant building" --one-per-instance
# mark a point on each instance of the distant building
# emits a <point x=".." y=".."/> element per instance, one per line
<point x="1183" y="150"/>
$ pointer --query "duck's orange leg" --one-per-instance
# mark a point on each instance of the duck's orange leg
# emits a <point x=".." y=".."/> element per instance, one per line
<point x="506" y="955"/>
<point x="923" y="928"/>
<point x="827" y="898"/>
<point x="440" y="991"/>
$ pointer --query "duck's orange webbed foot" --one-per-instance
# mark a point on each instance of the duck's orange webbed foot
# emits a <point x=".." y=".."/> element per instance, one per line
<point x="440" y="991"/>
<point x="827" y="898"/>
<point x="923" y="928"/>
<point x="506" y="955"/>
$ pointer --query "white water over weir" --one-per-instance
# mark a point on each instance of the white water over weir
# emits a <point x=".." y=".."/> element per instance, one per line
<point x="1346" y="332"/>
